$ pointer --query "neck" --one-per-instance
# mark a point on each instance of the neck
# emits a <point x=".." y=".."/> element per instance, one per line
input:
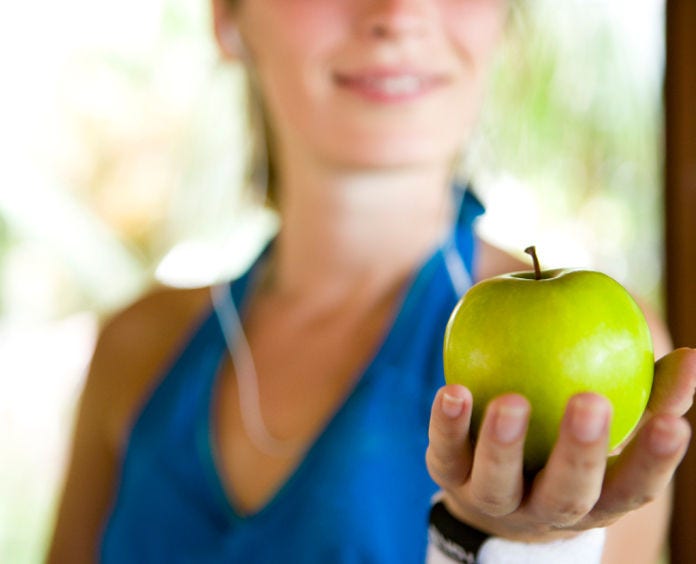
<point x="352" y="230"/>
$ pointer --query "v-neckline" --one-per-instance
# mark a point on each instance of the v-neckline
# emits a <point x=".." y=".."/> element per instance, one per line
<point x="384" y="352"/>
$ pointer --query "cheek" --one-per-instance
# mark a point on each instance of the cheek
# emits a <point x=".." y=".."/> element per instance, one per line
<point x="299" y="28"/>
<point x="290" y="41"/>
<point x="295" y="41"/>
<point x="475" y="28"/>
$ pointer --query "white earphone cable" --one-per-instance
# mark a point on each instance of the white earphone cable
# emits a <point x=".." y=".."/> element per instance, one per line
<point x="246" y="376"/>
<point x="243" y="361"/>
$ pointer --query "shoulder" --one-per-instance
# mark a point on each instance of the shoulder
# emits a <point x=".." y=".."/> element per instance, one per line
<point x="493" y="261"/>
<point x="151" y="320"/>
<point x="134" y="348"/>
<point x="130" y="353"/>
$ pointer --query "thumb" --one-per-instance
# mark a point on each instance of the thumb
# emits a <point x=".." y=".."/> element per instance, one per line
<point x="674" y="383"/>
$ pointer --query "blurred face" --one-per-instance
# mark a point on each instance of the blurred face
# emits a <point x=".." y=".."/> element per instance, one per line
<point x="370" y="83"/>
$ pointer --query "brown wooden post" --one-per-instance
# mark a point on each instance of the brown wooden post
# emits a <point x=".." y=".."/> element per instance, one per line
<point x="680" y="236"/>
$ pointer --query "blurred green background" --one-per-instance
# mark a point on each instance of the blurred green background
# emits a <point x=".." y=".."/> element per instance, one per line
<point x="123" y="146"/>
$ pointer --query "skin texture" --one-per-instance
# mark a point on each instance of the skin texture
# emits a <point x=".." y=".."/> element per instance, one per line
<point x="364" y="197"/>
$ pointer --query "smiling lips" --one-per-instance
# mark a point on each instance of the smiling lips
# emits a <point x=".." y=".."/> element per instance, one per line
<point x="390" y="85"/>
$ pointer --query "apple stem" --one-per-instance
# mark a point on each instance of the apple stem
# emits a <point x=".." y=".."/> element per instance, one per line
<point x="537" y="269"/>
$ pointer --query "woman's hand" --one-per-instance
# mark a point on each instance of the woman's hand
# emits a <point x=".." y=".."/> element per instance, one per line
<point x="576" y="490"/>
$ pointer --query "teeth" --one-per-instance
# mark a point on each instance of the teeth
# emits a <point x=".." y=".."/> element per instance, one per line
<point x="395" y="85"/>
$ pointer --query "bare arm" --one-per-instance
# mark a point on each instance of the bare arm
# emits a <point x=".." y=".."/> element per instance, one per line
<point x="90" y="477"/>
<point x="131" y="351"/>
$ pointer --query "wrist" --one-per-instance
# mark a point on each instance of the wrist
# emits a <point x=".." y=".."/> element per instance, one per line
<point x="453" y="541"/>
<point x="452" y="538"/>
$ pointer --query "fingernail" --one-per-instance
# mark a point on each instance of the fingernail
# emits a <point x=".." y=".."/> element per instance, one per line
<point x="452" y="406"/>
<point x="663" y="439"/>
<point x="588" y="420"/>
<point x="510" y="422"/>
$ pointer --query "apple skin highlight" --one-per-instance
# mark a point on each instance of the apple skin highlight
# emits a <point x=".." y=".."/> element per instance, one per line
<point x="571" y="331"/>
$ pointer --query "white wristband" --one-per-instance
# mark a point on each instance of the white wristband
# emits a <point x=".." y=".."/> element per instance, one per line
<point x="585" y="548"/>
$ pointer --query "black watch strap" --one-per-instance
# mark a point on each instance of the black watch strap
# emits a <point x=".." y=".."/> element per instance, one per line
<point x="455" y="539"/>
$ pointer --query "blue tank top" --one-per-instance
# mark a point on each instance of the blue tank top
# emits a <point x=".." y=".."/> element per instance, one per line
<point x="360" y="495"/>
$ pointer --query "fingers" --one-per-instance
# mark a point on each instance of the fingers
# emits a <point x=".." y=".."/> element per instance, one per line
<point x="674" y="383"/>
<point x="449" y="452"/>
<point x="496" y="483"/>
<point x="645" y="468"/>
<point x="571" y="482"/>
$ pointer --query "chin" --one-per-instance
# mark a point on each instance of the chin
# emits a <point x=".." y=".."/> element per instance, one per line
<point x="400" y="151"/>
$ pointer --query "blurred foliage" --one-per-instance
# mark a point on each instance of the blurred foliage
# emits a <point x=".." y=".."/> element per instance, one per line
<point x="576" y="116"/>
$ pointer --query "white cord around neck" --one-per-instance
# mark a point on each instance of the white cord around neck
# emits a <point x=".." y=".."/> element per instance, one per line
<point x="454" y="263"/>
<point x="247" y="380"/>
<point x="243" y="361"/>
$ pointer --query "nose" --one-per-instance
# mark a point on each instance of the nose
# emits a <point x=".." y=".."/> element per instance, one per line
<point x="392" y="19"/>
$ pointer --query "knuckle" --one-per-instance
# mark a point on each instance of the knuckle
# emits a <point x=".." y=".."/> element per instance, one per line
<point x="631" y="500"/>
<point x="444" y="433"/>
<point x="494" y="503"/>
<point x="498" y="457"/>
<point x="438" y="448"/>
<point x="565" y="512"/>
<point x="431" y="462"/>
<point x="582" y="464"/>
<point x="445" y="472"/>
<point x="644" y="499"/>
<point x="647" y="467"/>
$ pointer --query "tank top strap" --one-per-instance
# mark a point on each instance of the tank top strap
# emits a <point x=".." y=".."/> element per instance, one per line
<point x="435" y="290"/>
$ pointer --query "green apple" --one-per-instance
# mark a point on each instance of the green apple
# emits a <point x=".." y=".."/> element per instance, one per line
<point x="549" y="335"/>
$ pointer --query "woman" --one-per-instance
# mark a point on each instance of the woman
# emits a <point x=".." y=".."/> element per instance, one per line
<point x="177" y="459"/>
